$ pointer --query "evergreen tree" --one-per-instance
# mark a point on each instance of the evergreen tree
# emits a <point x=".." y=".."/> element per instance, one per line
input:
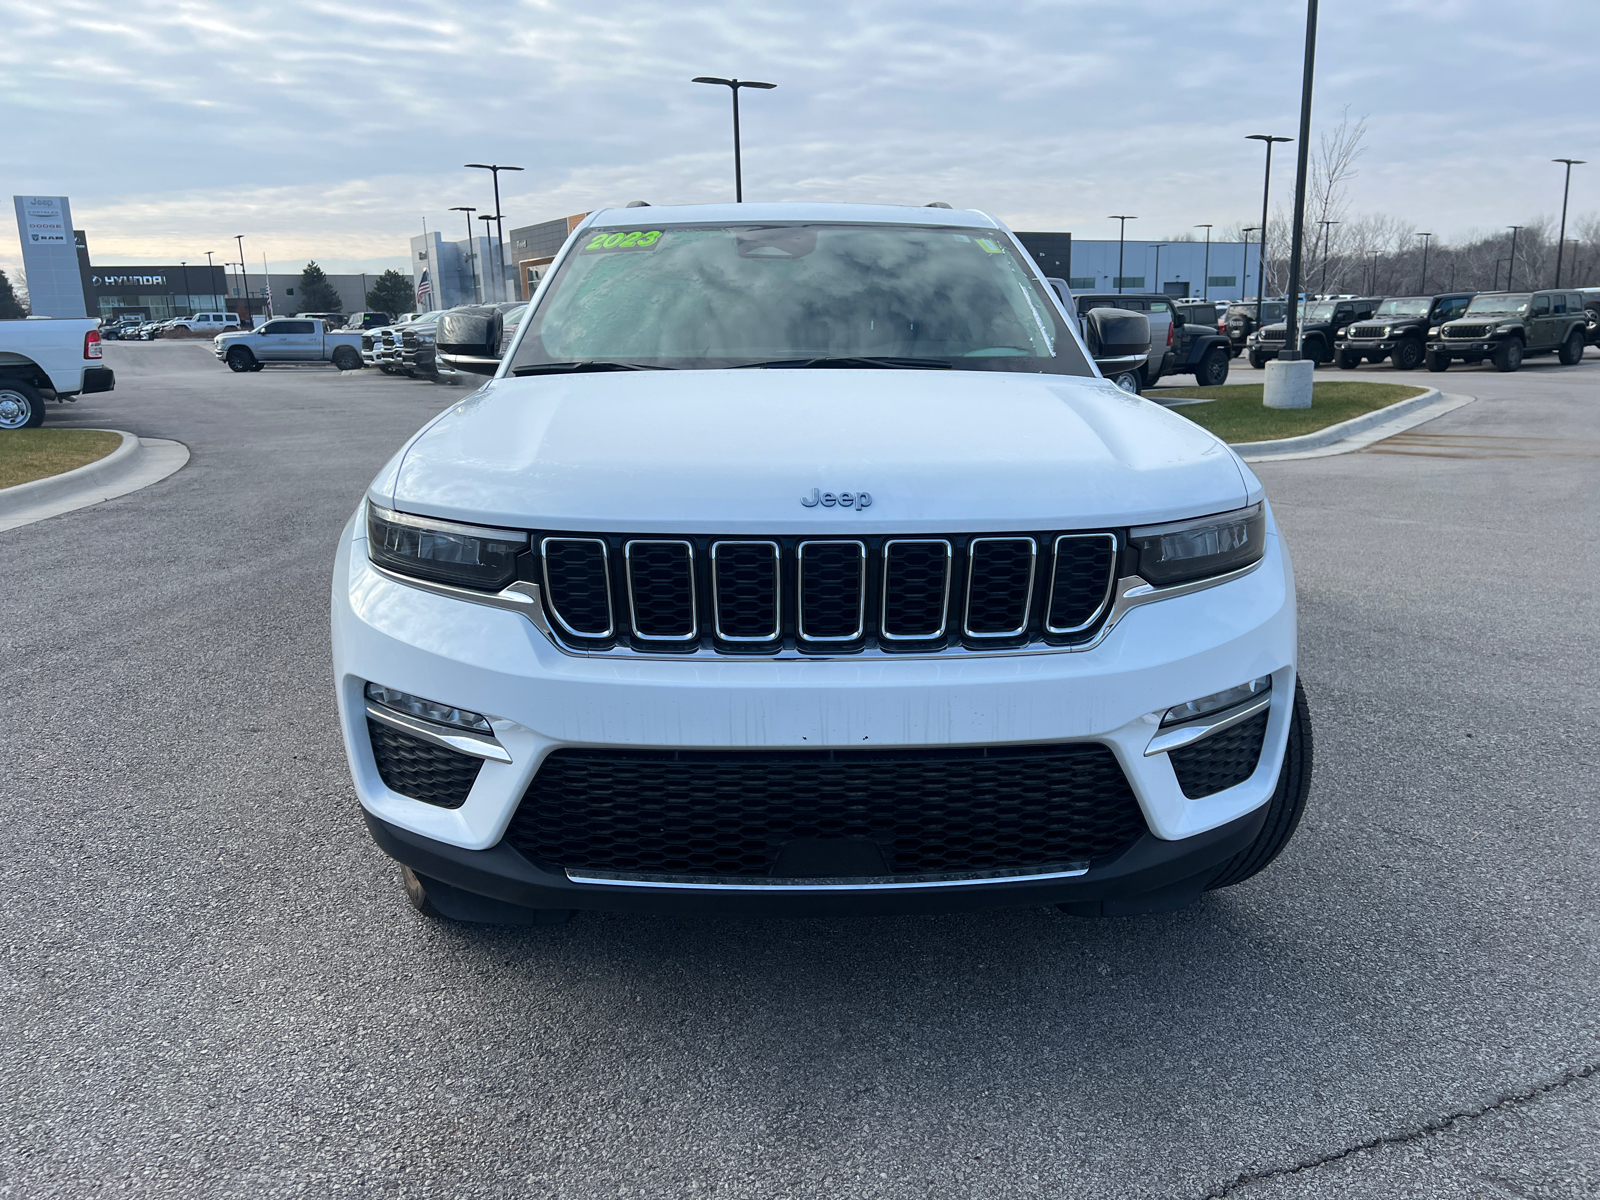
<point x="11" y="309"/>
<point x="394" y="293"/>
<point x="316" y="293"/>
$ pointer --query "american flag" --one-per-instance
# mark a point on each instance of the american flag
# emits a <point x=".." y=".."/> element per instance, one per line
<point x="424" y="288"/>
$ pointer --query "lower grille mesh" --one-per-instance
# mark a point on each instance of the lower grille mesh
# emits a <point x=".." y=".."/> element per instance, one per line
<point x="712" y="812"/>
<point x="420" y="769"/>
<point x="1222" y="760"/>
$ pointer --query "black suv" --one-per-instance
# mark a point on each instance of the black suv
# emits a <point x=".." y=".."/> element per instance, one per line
<point x="1241" y="321"/>
<point x="1508" y="326"/>
<point x="1322" y="322"/>
<point x="1399" y="330"/>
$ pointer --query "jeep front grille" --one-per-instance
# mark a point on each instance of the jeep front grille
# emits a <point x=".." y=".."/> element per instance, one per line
<point x="820" y="595"/>
<point x="1366" y="332"/>
<point x="1467" y="332"/>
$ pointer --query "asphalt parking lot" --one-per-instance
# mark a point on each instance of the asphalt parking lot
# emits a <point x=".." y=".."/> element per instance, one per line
<point x="214" y="986"/>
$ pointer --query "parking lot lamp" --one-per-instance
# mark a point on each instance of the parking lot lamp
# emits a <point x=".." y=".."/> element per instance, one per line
<point x="733" y="85"/>
<point x="210" y="269"/>
<point x="189" y="309"/>
<point x="499" y="218"/>
<point x="1160" y="246"/>
<point x="244" y="280"/>
<point x="1561" y="242"/>
<point x="1422" y="288"/>
<point x="1372" y="284"/>
<point x="1266" y="190"/>
<point x="472" y="264"/>
<point x="1511" y="263"/>
<point x="1244" y="275"/>
<point x="1291" y="332"/>
<point x="1205" y="287"/>
<point x="1121" y="229"/>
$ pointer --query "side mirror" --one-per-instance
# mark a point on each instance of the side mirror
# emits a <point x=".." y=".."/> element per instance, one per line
<point x="469" y="340"/>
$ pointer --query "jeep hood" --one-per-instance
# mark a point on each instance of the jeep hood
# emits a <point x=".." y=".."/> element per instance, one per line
<point x="734" y="451"/>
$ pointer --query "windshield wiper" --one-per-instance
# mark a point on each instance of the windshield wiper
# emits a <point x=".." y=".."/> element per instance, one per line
<point x="592" y="364"/>
<point x="885" y="363"/>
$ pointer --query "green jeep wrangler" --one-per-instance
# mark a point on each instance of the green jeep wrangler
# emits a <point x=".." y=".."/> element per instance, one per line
<point x="1508" y="326"/>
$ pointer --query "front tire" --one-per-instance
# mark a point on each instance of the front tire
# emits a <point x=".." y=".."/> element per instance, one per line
<point x="1408" y="355"/>
<point x="240" y="360"/>
<point x="21" y="406"/>
<point x="1286" y="807"/>
<point x="1213" y="368"/>
<point x="1349" y="360"/>
<point x="346" y="358"/>
<point x="1128" y="381"/>
<point x="1509" y="356"/>
<point x="1256" y="361"/>
<point x="1572" y="350"/>
<point x="1438" y="362"/>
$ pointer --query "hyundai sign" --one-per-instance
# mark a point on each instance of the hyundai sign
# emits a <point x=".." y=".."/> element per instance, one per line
<point x="50" y="256"/>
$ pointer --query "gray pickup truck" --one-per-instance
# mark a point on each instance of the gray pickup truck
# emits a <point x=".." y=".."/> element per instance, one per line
<point x="289" y="340"/>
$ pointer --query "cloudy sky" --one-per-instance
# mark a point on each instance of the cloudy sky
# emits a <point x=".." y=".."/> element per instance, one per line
<point x="332" y="130"/>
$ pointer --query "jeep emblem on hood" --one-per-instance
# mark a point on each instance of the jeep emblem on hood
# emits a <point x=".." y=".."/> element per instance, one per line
<point x="855" y="500"/>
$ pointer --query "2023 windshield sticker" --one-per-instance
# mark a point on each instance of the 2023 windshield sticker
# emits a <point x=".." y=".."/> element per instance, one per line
<point x="632" y="239"/>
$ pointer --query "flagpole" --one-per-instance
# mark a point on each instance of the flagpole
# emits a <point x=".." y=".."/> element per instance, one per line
<point x="267" y="275"/>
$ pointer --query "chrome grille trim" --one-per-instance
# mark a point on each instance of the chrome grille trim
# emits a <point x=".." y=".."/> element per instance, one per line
<point x="1111" y="580"/>
<point x="605" y="559"/>
<point x="944" y="603"/>
<point x="860" y="630"/>
<point x="777" y="589"/>
<point x="633" y="608"/>
<point x="1027" y="604"/>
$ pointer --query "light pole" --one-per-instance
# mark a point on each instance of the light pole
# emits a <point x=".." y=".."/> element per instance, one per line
<point x="471" y="257"/>
<point x="1266" y="189"/>
<point x="499" y="217"/>
<point x="1427" y="239"/>
<point x="244" y="280"/>
<point x="187" y="297"/>
<point x="733" y="85"/>
<point x="1205" y="288"/>
<point x="1291" y="332"/>
<point x="1326" y="230"/>
<point x="1561" y="242"/>
<point x="1160" y="246"/>
<point x="211" y="268"/>
<point x="1511" y="263"/>
<point x="1372" y="287"/>
<point x="486" y="218"/>
<point x="1121" y="229"/>
<point x="1244" y="286"/>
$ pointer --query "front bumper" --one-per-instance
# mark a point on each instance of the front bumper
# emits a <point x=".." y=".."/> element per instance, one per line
<point x="1459" y="346"/>
<point x="1367" y="346"/>
<point x="539" y="698"/>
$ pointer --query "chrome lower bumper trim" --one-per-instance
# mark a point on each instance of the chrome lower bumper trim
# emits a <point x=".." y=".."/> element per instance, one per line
<point x="1187" y="735"/>
<point x="476" y="744"/>
<point x="865" y="883"/>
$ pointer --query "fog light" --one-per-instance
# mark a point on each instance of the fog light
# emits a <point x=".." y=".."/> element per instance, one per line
<point x="427" y="710"/>
<point x="1216" y="702"/>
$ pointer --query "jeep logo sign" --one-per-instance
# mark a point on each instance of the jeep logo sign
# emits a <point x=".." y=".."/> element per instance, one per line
<point x="855" y="500"/>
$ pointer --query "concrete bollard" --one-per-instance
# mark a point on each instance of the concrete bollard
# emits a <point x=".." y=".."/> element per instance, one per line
<point x="1288" y="384"/>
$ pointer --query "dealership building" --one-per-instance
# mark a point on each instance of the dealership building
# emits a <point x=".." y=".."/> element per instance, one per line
<point x="1222" y="271"/>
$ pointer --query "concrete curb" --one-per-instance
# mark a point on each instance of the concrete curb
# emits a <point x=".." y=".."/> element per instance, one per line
<point x="1337" y="433"/>
<point x="136" y="463"/>
<point x="1401" y="417"/>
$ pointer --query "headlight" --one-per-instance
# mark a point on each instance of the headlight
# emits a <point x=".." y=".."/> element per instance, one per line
<point x="466" y="555"/>
<point x="1388" y="331"/>
<point x="1189" y="550"/>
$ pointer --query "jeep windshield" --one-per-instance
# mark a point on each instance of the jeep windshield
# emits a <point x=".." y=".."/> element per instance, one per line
<point x="796" y="295"/>
<point x="1316" y="312"/>
<point x="1412" y="307"/>
<point x="1493" y="305"/>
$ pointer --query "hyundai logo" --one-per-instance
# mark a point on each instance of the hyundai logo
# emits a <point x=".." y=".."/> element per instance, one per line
<point x="855" y="500"/>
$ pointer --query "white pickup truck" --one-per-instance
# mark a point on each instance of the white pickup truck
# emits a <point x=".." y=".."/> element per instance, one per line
<point x="44" y="359"/>
<point x="289" y="340"/>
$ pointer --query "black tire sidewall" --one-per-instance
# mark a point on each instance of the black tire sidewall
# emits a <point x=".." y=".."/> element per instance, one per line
<point x="239" y="360"/>
<point x="1215" y="363"/>
<point x="1287" y="806"/>
<point x="1509" y="356"/>
<point x="1407" y="356"/>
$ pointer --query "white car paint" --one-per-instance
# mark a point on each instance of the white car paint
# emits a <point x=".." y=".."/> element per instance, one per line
<point x="734" y="451"/>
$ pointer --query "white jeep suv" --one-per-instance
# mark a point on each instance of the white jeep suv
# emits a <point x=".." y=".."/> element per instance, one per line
<point x="797" y="560"/>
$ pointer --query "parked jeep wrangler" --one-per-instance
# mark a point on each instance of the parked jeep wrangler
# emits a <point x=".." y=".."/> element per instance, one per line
<point x="1241" y="320"/>
<point x="1509" y="326"/>
<point x="1399" y="330"/>
<point x="1322" y="323"/>
<point x="1198" y="348"/>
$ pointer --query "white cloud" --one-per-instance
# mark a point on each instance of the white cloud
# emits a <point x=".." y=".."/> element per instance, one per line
<point x="329" y="130"/>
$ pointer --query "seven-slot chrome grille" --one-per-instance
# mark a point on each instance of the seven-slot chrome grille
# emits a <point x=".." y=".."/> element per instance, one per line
<point x="1367" y="332"/>
<point x="754" y="595"/>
